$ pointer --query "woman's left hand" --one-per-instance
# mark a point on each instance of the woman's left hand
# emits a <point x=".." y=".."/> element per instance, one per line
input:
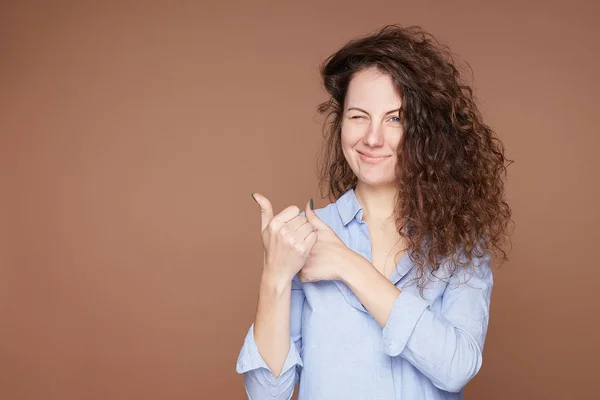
<point x="328" y="256"/>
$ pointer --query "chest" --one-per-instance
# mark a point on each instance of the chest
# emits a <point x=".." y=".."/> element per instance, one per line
<point x="387" y="249"/>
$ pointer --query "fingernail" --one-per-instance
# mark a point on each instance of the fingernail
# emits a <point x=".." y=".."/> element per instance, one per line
<point x="254" y="197"/>
<point x="312" y="204"/>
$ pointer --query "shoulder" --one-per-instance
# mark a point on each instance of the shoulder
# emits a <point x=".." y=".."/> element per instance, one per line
<point x="478" y="270"/>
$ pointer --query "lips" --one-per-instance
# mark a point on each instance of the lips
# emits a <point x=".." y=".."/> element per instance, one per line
<point x="372" y="155"/>
<point x="371" y="159"/>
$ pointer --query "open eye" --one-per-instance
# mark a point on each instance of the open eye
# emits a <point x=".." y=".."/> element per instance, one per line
<point x="396" y="119"/>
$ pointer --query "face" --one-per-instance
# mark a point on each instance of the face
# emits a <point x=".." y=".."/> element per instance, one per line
<point x="371" y="127"/>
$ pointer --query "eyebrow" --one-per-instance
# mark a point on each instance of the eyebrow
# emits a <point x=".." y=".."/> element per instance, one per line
<point x="360" y="109"/>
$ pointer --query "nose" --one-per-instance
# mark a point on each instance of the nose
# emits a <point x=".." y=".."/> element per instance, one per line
<point x="374" y="136"/>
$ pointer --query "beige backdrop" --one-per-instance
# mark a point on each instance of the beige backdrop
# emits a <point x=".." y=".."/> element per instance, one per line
<point x="131" y="138"/>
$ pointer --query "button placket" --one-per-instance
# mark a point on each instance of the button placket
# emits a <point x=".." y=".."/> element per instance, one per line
<point x="366" y="247"/>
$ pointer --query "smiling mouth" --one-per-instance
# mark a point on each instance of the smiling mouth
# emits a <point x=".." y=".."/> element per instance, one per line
<point x="366" y="155"/>
<point x="371" y="160"/>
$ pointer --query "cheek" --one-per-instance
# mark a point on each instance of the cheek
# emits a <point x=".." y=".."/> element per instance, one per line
<point x="345" y="139"/>
<point x="347" y="144"/>
<point x="394" y="145"/>
<point x="350" y="135"/>
<point x="394" y="139"/>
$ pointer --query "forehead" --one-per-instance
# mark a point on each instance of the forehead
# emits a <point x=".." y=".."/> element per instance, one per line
<point x="371" y="87"/>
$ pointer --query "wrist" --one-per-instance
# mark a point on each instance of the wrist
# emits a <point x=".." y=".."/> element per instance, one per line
<point x="274" y="283"/>
<point x="353" y="267"/>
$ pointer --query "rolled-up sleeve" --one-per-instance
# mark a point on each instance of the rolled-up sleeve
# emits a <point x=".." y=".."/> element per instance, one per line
<point x="445" y="346"/>
<point x="260" y="382"/>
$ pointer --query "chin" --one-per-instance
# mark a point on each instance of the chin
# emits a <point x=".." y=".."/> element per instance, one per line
<point x="377" y="181"/>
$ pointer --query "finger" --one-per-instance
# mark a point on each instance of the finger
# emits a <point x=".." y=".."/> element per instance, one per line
<point x="304" y="231"/>
<point x="266" y="210"/>
<point x="314" y="219"/>
<point x="302" y="277"/>
<point x="288" y="214"/>
<point x="297" y="222"/>
<point x="311" y="239"/>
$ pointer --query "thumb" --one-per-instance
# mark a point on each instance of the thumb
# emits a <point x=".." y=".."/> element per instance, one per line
<point x="314" y="219"/>
<point x="266" y="210"/>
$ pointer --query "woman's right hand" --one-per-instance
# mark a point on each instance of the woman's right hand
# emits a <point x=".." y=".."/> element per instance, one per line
<point x="287" y="240"/>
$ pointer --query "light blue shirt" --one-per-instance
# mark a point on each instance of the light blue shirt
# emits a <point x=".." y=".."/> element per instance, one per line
<point x="429" y="349"/>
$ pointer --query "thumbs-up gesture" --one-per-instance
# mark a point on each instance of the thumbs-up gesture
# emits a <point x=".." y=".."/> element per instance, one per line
<point x="287" y="240"/>
<point x="328" y="256"/>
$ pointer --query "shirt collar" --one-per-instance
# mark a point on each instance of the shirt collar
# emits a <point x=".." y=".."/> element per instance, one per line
<point x="348" y="206"/>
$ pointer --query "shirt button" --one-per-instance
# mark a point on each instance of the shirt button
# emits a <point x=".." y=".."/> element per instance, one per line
<point x="273" y="391"/>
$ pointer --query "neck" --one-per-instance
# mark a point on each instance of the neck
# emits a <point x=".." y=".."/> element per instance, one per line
<point x="378" y="202"/>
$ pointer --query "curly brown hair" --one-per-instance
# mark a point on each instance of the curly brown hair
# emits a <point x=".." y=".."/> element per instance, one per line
<point x="450" y="163"/>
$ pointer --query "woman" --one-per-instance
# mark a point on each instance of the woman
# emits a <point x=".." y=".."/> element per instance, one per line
<point x="415" y="173"/>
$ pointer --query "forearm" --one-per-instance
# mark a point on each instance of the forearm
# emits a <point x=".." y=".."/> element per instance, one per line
<point x="272" y="322"/>
<point x="445" y="345"/>
<point x="375" y="291"/>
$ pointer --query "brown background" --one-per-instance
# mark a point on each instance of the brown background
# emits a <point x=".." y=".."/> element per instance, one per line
<point x="131" y="138"/>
